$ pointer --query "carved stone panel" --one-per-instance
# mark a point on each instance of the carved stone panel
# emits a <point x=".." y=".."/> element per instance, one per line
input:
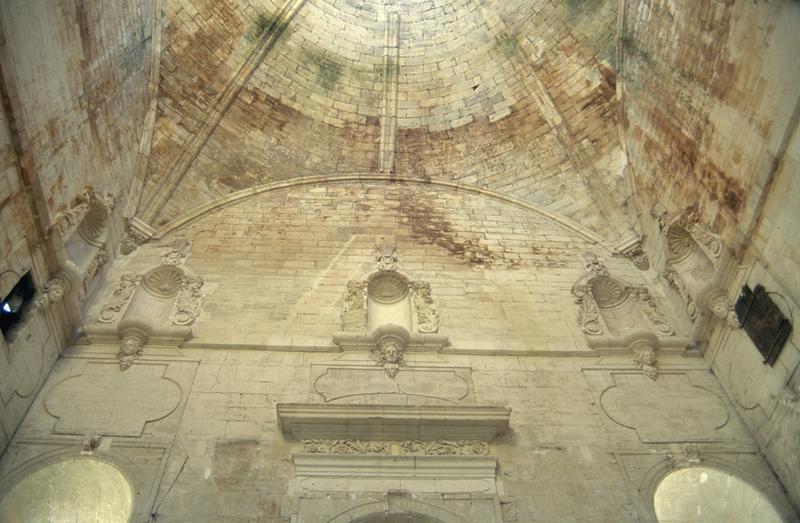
<point x="423" y="385"/>
<point x="102" y="400"/>
<point x="671" y="409"/>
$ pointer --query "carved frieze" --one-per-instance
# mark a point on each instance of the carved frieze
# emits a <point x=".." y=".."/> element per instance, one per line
<point x="53" y="291"/>
<point x="426" y="311"/>
<point x="354" y="309"/>
<point x="119" y="297"/>
<point x="439" y="447"/>
<point x="443" y="447"/>
<point x="345" y="446"/>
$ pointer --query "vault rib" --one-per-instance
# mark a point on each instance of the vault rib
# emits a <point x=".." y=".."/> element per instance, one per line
<point x="533" y="85"/>
<point x="167" y="186"/>
<point x="391" y="78"/>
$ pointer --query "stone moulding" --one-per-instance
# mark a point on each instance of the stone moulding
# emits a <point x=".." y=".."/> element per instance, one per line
<point x="433" y="467"/>
<point x="226" y="200"/>
<point x="392" y="422"/>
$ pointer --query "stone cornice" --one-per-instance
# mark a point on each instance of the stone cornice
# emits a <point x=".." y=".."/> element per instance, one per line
<point x="392" y="422"/>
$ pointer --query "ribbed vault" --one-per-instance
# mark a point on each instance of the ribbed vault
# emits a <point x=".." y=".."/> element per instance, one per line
<point x="513" y="97"/>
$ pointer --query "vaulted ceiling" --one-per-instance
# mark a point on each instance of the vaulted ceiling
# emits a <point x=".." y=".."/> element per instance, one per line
<point x="515" y="98"/>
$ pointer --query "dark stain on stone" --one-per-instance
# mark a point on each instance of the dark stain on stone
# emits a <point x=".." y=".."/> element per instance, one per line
<point x="430" y="226"/>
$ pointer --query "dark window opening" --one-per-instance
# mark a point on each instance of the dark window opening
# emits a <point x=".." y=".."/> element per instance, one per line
<point x="15" y="305"/>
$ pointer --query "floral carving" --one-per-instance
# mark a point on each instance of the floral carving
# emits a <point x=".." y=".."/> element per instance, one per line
<point x="100" y="259"/>
<point x="390" y="354"/>
<point x="131" y="241"/>
<point x="442" y="447"/>
<point x="354" y="308"/>
<point x="677" y="283"/>
<point x="53" y="291"/>
<point x="131" y="348"/>
<point x="588" y="312"/>
<point x="345" y="446"/>
<point x="648" y="307"/>
<point x="386" y="255"/>
<point x="119" y="298"/>
<point x="69" y="218"/>
<point x="426" y="311"/>
<point x="189" y="300"/>
<point x="177" y="253"/>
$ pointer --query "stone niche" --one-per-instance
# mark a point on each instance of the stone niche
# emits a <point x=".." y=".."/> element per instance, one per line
<point x="388" y="313"/>
<point x="156" y="307"/>
<point x="617" y="317"/>
<point x="695" y="266"/>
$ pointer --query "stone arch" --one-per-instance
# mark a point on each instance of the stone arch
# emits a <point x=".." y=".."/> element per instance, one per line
<point x="401" y="506"/>
<point x="727" y="464"/>
<point x="234" y="198"/>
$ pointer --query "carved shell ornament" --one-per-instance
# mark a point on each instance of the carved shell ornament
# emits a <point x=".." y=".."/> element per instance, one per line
<point x="93" y="224"/>
<point x="164" y="281"/>
<point x="388" y="288"/>
<point x="608" y="292"/>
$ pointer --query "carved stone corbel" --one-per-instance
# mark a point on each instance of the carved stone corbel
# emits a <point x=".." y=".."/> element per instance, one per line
<point x="131" y="347"/>
<point x="645" y="358"/>
<point x="136" y="234"/>
<point x="389" y="354"/>
<point x="54" y="291"/>
<point x="633" y="251"/>
<point x="720" y="305"/>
